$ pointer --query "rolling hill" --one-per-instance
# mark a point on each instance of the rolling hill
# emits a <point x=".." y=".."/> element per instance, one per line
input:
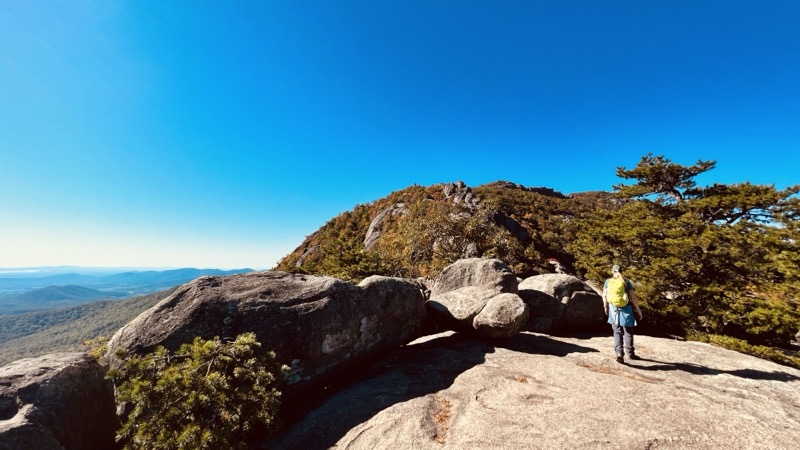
<point x="53" y="297"/>
<point x="66" y="329"/>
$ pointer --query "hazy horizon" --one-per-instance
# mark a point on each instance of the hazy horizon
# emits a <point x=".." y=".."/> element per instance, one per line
<point x="65" y="268"/>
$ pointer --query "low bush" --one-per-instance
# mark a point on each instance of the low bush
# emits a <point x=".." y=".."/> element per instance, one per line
<point x="208" y="394"/>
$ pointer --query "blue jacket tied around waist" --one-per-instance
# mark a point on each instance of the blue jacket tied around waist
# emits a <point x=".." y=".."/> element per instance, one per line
<point x="621" y="316"/>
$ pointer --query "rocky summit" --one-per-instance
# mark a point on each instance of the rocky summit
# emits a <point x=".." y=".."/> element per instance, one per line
<point x="534" y="391"/>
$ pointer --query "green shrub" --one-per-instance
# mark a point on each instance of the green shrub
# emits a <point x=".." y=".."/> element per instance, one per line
<point x="209" y="394"/>
<point x="785" y="357"/>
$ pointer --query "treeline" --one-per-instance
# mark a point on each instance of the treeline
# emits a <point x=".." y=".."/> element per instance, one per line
<point x="67" y="329"/>
<point x="707" y="260"/>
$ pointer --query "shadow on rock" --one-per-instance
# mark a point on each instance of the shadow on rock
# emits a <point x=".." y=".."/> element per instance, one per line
<point x="697" y="369"/>
<point x="410" y="372"/>
<point x="541" y="345"/>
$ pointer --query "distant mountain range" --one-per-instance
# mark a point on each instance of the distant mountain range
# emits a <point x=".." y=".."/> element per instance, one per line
<point x="55" y="296"/>
<point x="48" y="287"/>
<point x="43" y="271"/>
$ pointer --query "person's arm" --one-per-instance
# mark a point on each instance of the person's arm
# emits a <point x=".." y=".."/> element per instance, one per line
<point x="635" y="302"/>
<point x="605" y="299"/>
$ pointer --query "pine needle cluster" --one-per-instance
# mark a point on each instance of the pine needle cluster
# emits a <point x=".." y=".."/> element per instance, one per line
<point x="209" y="394"/>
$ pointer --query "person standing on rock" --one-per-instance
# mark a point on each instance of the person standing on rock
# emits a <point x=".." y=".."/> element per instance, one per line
<point x="618" y="296"/>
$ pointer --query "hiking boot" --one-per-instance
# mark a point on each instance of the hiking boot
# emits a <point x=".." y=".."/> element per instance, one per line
<point x="620" y="358"/>
<point x="634" y="356"/>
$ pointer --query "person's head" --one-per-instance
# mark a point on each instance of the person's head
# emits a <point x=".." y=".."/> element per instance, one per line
<point x="615" y="270"/>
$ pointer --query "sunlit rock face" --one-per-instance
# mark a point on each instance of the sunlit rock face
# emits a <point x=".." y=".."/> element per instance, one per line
<point x="319" y="326"/>
<point x="533" y="391"/>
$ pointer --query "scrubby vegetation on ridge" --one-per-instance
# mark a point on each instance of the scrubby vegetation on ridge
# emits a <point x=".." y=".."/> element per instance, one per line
<point x="433" y="231"/>
<point x="713" y="260"/>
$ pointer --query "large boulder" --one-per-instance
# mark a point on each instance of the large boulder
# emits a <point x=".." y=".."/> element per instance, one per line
<point x="584" y="309"/>
<point x="503" y="316"/>
<point x="557" y="285"/>
<point x="456" y="310"/>
<point x="482" y="272"/>
<point x="559" y="302"/>
<point x="544" y="310"/>
<point x="57" y="401"/>
<point x="319" y="326"/>
<point x="479" y="311"/>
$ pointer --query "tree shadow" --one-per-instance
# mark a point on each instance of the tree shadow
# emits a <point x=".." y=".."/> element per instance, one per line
<point x="697" y="369"/>
<point x="410" y="372"/>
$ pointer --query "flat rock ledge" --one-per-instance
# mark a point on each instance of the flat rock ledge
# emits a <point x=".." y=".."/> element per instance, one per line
<point x="533" y="391"/>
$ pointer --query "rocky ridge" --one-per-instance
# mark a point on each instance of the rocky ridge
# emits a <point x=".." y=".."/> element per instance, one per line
<point x="319" y="326"/>
<point x="525" y="219"/>
<point x="373" y="367"/>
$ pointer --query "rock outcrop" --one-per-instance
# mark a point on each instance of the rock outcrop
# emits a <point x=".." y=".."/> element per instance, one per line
<point x="376" y="226"/>
<point x="491" y="274"/>
<point x="479" y="311"/>
<point x="541" y="392"/>
<point x="477" y="296"/>
<point x="308" y="252"/>
<point x="57" y="401"/>
<point x="503" y="316"/>
<point x="319" y="326"/>
<point x="460" y="193"/>
<point x="559" y="286"/>
<point x="560" y="302"/>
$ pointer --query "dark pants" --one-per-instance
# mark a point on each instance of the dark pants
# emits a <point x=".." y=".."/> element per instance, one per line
<point x="623" y="335"/>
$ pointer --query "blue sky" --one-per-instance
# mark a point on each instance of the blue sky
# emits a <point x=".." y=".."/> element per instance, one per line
<point x="220" y="134"/>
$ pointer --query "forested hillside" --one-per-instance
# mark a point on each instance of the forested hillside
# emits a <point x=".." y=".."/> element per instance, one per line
<point x="66" y="329"/>
<point x="52" y="297"/>
<point x="717" y="260"/>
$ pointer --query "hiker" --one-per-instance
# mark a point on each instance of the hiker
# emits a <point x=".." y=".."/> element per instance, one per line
<point x="618" y="296"/>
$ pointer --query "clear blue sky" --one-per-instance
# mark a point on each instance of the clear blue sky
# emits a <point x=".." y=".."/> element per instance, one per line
<point x="220" y="134"/>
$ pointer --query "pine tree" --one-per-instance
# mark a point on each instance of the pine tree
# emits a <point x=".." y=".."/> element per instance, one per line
<point x="209" y="394"/>
<point x="718" y="259"/>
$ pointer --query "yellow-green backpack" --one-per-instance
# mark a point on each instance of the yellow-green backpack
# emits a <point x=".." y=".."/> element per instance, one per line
<point x="616" y="292"/>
